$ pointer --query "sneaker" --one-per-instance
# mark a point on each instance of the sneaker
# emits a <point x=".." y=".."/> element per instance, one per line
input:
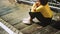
<point x="27" y="21"/>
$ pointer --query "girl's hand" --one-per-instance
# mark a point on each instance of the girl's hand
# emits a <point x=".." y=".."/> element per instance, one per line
<point x="34" y="9"/>
<point x="37" y="4"/>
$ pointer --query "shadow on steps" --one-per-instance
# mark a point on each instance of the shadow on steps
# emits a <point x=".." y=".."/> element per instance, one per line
<point x="54" y="24"/>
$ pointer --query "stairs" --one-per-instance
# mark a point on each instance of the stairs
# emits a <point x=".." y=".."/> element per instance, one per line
<point x="14" y="14"/>
<point x="2" y="31"/>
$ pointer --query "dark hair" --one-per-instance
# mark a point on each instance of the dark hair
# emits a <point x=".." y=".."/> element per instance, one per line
<point x="43" y="2"/>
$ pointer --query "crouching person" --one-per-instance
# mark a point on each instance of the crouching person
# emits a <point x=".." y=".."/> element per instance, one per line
<point x="41" y="11"/>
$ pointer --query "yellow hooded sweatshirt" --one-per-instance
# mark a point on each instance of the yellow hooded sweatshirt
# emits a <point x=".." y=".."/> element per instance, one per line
<point x="44" y="10"/>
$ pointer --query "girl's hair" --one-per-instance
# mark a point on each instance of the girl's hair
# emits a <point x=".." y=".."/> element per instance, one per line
<point x="43" y="2"/>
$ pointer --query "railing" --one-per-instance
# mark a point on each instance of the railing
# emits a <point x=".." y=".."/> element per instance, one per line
<point x="29" y="2"/>
<point x="54" y="6"/>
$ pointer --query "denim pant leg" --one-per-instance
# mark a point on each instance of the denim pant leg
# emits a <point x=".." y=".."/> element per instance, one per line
<point x="44" y="21"/>
<point x="32" y="14"/>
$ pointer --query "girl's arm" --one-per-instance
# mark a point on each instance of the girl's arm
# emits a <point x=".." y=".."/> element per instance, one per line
<point x="34" y="7"/>
<point x="39" y="8"/>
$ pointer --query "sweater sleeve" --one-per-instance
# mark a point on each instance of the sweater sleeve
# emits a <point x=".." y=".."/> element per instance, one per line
<point x="33" y="7"/>
<point x="39" y="8"/>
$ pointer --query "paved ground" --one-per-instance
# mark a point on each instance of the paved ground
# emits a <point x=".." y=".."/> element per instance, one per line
<point x="14" y="13"/>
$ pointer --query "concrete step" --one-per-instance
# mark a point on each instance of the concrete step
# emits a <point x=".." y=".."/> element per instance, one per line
<point x="31" y="29"/>
<point x="14" y="17"/>
<point x="17" y="15"/>
<point x="9" y="26"/>
<point x="58" y="32"/>
<point x="46" y="30"/>
<point x="6" y="7"/>
<point x="20" y="26"/>
<point x="2" y="31"/>
<point x="6" y="10"/>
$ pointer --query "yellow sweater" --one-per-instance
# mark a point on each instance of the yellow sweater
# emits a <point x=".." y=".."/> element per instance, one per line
<point x="45" y="11"/>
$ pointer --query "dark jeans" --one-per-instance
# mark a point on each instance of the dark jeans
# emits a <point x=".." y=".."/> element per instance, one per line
<point x="56" y="25"/>
<point x="44" y="21"/>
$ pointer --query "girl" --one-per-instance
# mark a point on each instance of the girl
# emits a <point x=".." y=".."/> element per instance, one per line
<point x="41" y="11"/>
